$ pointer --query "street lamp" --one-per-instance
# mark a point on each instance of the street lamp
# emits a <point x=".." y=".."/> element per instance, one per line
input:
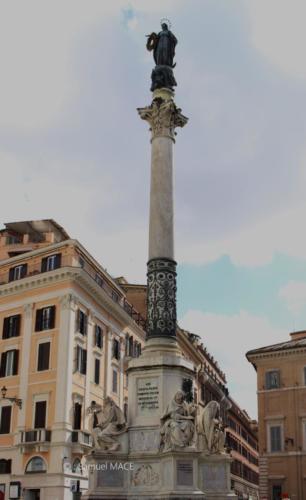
<point x="15" y="400"/>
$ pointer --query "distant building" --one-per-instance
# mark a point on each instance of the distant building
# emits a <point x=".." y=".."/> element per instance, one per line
<point x="66" y="333"/>
<point x="210" y="384"/>
<point x="281" y="387"/>
<point x="243" y="441"/>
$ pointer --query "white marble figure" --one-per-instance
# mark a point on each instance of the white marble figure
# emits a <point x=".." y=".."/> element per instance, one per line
<point x="177" y="424"/>
<point x="110" y="423"/>
<point x="210" y="429"/>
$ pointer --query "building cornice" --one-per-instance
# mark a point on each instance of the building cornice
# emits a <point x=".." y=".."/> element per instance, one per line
<point x="76" y="275"/>
<point x="276" y="354"/>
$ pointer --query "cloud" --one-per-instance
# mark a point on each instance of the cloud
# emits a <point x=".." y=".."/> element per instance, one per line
<point x="294" y="295"/>
<point x="256" y="244"/>
<point x="228" y="338"/>
<point x="278" y="32"/>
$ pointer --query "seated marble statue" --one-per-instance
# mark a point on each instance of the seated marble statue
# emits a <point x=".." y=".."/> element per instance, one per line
<point x="177" y="423"/>
<point x="110" y="423"/>
<point x="210" y="429"/>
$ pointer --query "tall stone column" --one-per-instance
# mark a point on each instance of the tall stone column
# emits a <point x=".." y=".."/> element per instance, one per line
<point x="163" y="117"/>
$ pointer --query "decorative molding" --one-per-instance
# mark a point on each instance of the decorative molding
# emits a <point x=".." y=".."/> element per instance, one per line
<point x="28" y="309"/>
<point x="163" y="116"/>
<point x="161" y="298"/>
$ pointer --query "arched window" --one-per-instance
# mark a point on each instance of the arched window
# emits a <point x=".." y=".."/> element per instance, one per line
<point x="36" y="464"/>
<point x="77" y="466"/>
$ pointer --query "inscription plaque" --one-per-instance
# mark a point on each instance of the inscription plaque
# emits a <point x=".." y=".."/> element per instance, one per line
<point x="184" y="473"/>
<point x="214" y="476"/>
<point x="147" y="396"/>
<point x="110" y="478"/>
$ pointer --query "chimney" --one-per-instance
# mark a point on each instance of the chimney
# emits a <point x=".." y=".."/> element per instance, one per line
<point x="298" y="335"/>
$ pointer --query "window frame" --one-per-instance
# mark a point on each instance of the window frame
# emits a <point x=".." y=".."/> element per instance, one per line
<point x="9" y="330"/>
<point x="43" y="341"/>
<point x="274" y="424"/>
<point x="115" y="378"/>
<point x="6" y="405"/>
<point x="268" y="385"/>
<point x="23" y="268"/>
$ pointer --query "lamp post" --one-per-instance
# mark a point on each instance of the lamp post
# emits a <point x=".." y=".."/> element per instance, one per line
<point x="15" y="400"/>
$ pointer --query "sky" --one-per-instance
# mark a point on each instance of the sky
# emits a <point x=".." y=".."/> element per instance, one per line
<point x="72" y="148"/>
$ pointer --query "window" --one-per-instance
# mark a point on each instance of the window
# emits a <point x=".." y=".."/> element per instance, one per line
<point x="9" y="363"/>
<point x="51" y="262"/>
<point x="40" y="415"/>
<point x="81" y="360"/>
<point x="5" y="468"/>
<point x="97" y="371"/>
<point x="36" y="464"/>
<point x="13" y="239"/>
<point x="18" y="272"/>
<point x="276" y="492"/>
<point x="77" y="416"/>
<point x="98" y="336"/>
<point x="275" y="438"/>
<point x="115" y="296"/>
<point x="43" y="356"/>
<point x="45" y="318"/>
<point x="82" y="322"/>
<point x="77" y="466"/>
<point x="5" y="419"/>
<point x="115" y="381"/>
<point x="99" y="280"/>
<point x="131" y="347"/>
<point x="11" y="326"/>
<point x="81" y="262"/>
<point x="116" y="349"/>
<point x="272" y="379"/>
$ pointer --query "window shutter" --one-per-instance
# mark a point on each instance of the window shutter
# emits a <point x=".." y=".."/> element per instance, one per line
<point x="85" y="324"/>
<point x="40" y="414"/>
<point x="97" y="371"/>
<point x="5" y="424"/>
<point x="77" y="416"/>
<point x="15" y="362"/>
<point x="44" y="264"/>
<point x="17" y="321"/>
<point x="77" y="320"/>
<point x="77" y="359"/>
<point x="58" y="260"/>
<point x="11" y="274"/>
<point x="38" y="321"/>
<point x="43" y="356"/>
<point x="6" y="325"/>
<point x="24" y="270"/>
<point x="3" y="364"/>
<point x="52" y="317"/>
<point x="84" y="361"/>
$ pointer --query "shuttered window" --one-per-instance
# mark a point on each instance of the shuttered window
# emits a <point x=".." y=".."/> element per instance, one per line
<point x="45" y="319"/>
<point x="116" y="349"/>
<point x="275" y="438"/>
<point x="43" y="356"/>
<point x="51" y="262"/>
<point x="18" y="272"/>
<point x="82" y="322"/>
<point x="272" y="379"/>
<point x="115" y="381"/>
<point x="5" y="419"/>
<point x="40" y="414"/>
<point x="98" y="336"/>
<point x="97" y="371"/>
<point x="11" y="326"/>
<point x="9" y="363"/>
<point x="77" y="416"/>
<point x="81" y="360"/>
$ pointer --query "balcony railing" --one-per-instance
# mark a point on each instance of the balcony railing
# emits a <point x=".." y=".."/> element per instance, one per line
<point x="91" y="273"/>
<point x="36" y="436"/>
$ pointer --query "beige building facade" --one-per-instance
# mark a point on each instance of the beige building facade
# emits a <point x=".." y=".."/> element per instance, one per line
<point x="66" y="334"/>
<point x="281" y="388"/>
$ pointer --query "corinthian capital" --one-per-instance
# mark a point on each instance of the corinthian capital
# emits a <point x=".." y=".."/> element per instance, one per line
<point x="163" y="116"/>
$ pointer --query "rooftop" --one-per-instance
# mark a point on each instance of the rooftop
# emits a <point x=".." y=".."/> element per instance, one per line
<point x="298" y="340"/>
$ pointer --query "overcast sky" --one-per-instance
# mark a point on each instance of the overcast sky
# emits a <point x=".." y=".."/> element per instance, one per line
<point x="72" y="148"/>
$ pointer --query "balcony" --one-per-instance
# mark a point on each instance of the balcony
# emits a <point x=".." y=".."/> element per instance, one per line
<point x="70" y="262"/>
<point x="81" y="441"/>
<point x="35" y="439"/>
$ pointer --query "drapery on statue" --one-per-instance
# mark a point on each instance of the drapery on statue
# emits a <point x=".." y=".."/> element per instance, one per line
<point x="163" y="46"/>
<point x="110" y="424"/>
<point x="210" y="429"/>
<point x="177" y="423"/>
